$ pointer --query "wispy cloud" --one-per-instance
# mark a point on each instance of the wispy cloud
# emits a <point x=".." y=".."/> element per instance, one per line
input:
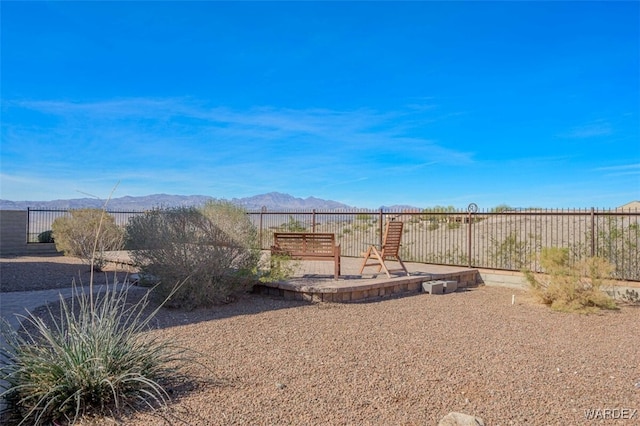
<point x="137" y="122"/>
<point x="620" y="167"/>
<point x="621" y="170"/>
<point x="590" y="130"/>
<point x="184" y="143"/>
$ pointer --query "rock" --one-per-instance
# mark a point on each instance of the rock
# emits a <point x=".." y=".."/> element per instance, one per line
<point x="460" y="419"/>
<point x="143" y="280"/>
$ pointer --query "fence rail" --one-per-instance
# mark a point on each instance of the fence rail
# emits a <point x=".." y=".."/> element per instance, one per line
<point x="508" y="240"/>
<point x="39" y="221"/>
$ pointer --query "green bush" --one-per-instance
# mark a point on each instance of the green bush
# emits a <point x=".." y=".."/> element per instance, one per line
<point x="212" y="250"/>
<point x="280" y="268"/>
<point x="501" y="208"/>
<point x="89" y="357"/>
<point x="293" y="225"/>
<point x="46" y="237"/>
<point x="87" y="234"/>
<point x="571" y="287"/>
<point x="513" y="252"/>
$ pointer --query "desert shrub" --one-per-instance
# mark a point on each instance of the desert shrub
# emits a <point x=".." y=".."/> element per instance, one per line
<point x="364" y="217"/>
<point x="616" y="241"/>
<point x="213" y="250"/>
<point x="450" y="256"/>
<point x="431" y="214"/>
<point x="280" y="268"/>
<point x="571" y="287"/>
<point x="46" y="237"/>
<point x="293" y="225"/>
<point x="89" y="357"/>
<point x="233" y="221"/>
<point x="87" y="234"/>
<point x="619" y="244"/>
<point x="501" y="208"/>
<point x="631" y="296"/>
<point x="512" y="252"/>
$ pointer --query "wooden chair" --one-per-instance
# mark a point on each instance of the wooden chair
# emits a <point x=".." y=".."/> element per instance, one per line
<point x="390" y="250"/>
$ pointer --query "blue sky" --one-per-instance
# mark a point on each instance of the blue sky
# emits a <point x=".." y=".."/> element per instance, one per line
<point x="366" y="103"/>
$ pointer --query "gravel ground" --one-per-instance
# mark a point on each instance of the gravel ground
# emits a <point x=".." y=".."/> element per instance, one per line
<point x="401" y="361"/>
<point x="27" y="273"/>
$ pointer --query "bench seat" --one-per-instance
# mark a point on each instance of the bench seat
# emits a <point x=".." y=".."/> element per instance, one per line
<point x="307" y="246"/>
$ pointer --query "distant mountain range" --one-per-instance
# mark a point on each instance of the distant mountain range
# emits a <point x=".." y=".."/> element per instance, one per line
<point x="272" y="201"/>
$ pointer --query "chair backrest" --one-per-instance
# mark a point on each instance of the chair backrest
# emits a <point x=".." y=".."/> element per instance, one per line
<point x="392" y="237"/>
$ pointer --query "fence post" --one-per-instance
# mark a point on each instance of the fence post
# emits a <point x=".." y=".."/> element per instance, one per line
<point x="313" y="221"/>
<point x="381" y="226"/>
<point x="28" y="218"/>
<point x="471" y="209"/>
<point x="593" y="233"/>
<point x="469" y="238"/>
<point x="262" y="210"/>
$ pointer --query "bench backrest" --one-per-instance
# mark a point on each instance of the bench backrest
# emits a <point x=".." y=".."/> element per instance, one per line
<point x="302" y="243"/>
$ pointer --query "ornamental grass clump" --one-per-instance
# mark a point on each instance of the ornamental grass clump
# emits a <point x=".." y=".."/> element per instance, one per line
<point x="89" y="356"/>
<point x="572" y="287"/>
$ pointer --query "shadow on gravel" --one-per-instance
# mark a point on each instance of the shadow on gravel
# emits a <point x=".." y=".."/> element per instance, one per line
<point x="49" y="274"/>
<point x="243" y="304"/>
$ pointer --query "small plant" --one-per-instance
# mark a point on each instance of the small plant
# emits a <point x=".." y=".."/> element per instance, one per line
<point x="363" y="217"/>
<point x="436" y="214"/>
<point x="453" y="256"/>
<point x="294" y="225"/>
<point x="571" y="288"/>
<point x="631" y="296"/>
<point x="87" y="234"/>
<point x="90" y="357"/>
<point x="512" y="252"/>
<point x="281" y="268"/>
<point x="46" y="237"/>
<point x="501" y="208"/>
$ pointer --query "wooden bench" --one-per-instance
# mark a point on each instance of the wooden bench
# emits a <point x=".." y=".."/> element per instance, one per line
<point x="307" y="246"/>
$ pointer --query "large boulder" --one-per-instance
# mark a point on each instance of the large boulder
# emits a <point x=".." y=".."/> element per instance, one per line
<point x="460" y="419"/>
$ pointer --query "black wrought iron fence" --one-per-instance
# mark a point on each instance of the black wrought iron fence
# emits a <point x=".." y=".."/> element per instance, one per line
<point x="509" y="240"/>
<point x="39" y="221"/>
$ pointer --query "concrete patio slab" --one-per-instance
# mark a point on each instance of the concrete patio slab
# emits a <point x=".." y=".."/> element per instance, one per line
<point x="313" y="281"/>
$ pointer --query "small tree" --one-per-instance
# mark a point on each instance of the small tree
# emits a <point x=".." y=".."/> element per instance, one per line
<point x="212" y="250"/>
<point x="87" y="234"/>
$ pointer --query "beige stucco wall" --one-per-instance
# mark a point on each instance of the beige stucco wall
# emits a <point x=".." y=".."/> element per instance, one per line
<point x="13" y="236"/>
